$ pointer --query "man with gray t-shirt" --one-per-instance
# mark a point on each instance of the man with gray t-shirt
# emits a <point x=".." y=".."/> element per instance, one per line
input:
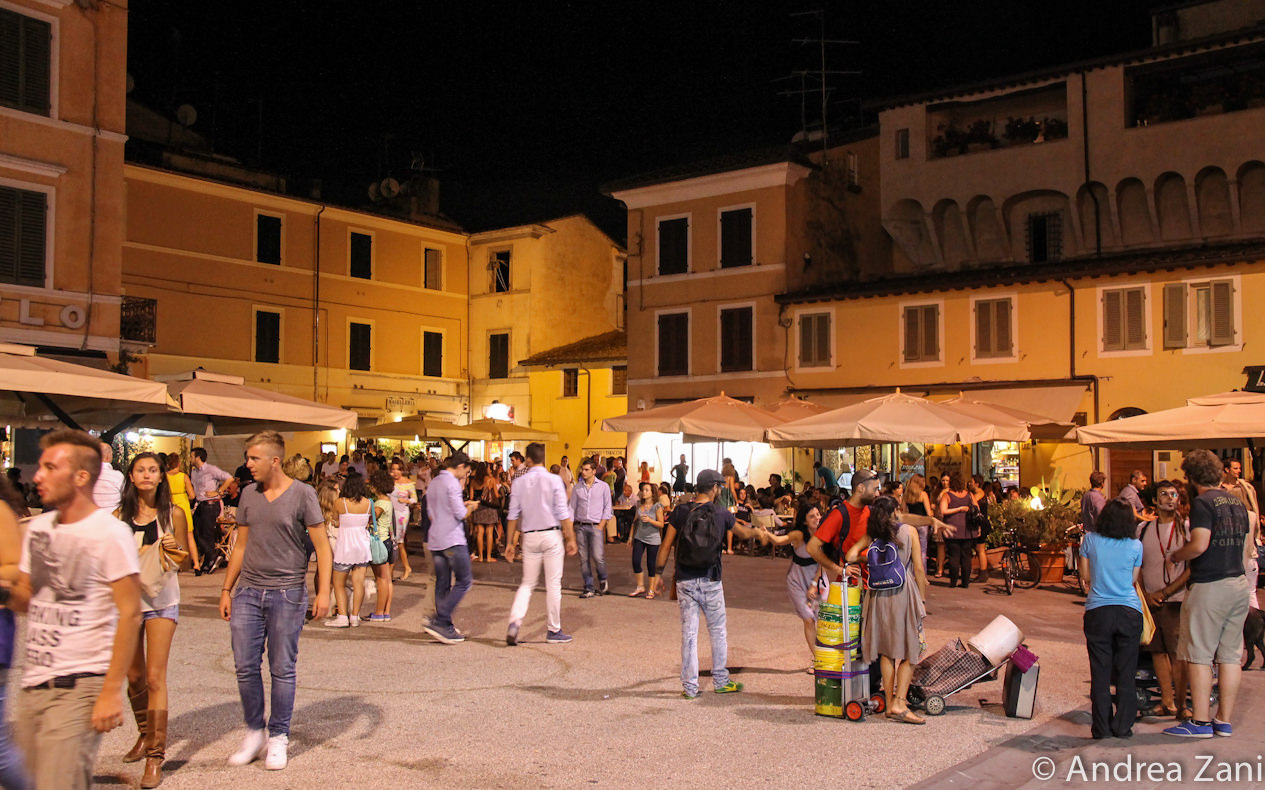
<point x="270" y="558"/>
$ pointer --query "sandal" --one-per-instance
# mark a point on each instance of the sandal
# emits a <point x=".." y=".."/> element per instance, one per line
<point x="637" y="593"/>
<point x="1158" y="710"/>
<point x="650" y="595"/>
<point x="908" y="717"/>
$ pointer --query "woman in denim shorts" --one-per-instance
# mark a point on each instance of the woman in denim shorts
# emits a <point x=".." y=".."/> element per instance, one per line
<point x="148" y="509"/>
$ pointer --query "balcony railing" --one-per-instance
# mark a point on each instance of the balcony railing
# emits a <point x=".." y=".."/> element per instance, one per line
<point x="139" y="320"/>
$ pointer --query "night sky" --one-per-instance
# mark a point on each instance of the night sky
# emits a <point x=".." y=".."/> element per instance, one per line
<point x="523" y="109"/>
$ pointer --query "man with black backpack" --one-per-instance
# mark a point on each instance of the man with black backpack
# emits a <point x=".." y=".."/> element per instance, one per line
<point x="698" y="529"/>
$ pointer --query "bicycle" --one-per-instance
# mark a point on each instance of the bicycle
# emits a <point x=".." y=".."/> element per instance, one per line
<point x="1074" y="535"/>
<point x="1017" y="570"/>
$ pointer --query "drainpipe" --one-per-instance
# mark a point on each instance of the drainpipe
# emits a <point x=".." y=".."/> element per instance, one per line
<point x="1071" y="354"/>
<point x="316" y="306"/>
<point x="1088" y="186"/>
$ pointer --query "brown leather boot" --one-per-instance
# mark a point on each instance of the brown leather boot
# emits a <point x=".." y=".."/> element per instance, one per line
<point x="140" y="704"/>
<point x="156" y="751"/>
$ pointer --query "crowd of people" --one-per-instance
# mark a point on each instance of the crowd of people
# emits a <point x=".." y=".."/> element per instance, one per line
<point x="96" y="573"/>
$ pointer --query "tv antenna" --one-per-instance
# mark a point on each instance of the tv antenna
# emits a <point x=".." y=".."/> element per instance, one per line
<point x="821" y="75"/>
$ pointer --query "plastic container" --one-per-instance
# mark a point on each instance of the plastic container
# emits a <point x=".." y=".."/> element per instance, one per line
<point x="998" y="640"/>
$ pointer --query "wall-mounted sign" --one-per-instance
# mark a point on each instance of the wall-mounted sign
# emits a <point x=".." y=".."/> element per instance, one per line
<point x="1255" y="378"/>
<point x="71" y="316"/>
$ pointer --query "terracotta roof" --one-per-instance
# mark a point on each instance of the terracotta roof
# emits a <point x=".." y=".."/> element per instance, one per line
<point x="608" y="347"/>
<point x="1131" y="262"/>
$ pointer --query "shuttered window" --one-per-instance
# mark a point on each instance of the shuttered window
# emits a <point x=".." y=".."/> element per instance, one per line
<point x="674" y="344"/>
<point x="433" y="354"/>
<point x="735" y="238"/>
<point x="735" y="339"/>
<point x="993" y="328"/>
<point x="359" y="346"/>
<point x="267" y="336"/>
<point x="619" y="380"/>
<point x="23" y="230"/>
<point x="1222" y="324"/>
<point x="267" y="239"/>
<point x="922" y="333"/>
<point x="433" y="274"/>
<point x="902" y="143"/>
<point x="25" y="62"/>
<point x="499" y="356"/>
<point x="1045" y="237"/>
<point x="361" y="256"/>
<point x="814" y="340"/>
<point x="570" y="383"/>
<point x="1175" y="315"/>
<point x="1124" y="319"/>
<point x="674" y="246"/>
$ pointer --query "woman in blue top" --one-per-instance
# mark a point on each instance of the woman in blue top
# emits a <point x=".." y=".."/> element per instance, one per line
<point x="1111" y="560"/>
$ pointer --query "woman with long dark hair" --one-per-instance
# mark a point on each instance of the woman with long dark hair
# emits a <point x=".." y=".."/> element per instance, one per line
<point x="351" y="553"/>
<point x="802" y="576"/>
<point x="955" y="503"/>
<point x="1111" y="564"/>
<point x="891" y="630"/>
<point x="486" y="489"/>
<point x="146" y="506"/>
<point x="646" y="538"/>
<point x="918" y="503"/>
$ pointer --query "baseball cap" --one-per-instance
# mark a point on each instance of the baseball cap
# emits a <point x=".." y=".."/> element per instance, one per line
<point x="708" y="478"/>
<point x="863" y="476"/>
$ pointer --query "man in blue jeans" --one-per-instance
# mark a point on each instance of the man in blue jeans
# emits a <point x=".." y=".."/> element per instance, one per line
<point x="590" y="510"/>
<point x="447" y="543"/>
<point x="698" y="588"/>
<point x="269" y="568"/>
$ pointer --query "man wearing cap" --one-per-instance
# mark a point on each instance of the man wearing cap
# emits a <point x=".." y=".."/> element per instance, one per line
<point x="845" y="525"/>
<point x="699" y="587"/>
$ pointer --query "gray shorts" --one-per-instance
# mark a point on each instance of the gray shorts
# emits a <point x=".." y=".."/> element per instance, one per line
<point x="1212" y="622"/>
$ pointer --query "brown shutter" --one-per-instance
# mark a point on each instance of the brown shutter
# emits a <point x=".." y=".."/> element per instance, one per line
<point x="10" y="58"/>
<point x="1113" y="321"/>
<point x="984" y="328"/>
<point x="930" y="333"/>
<point x="1175" y="315"/>
<point x="911" y="334"/>
<point x="1002" y="320"/>
<point x="1222" y="330"/>
<point x="822" y="323"/>
<point x="36" y="65"/>
<point x="807" y="339"/>
<point x="1135" y="318"/>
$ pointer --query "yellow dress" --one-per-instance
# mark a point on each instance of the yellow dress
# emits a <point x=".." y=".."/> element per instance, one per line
<point x="180" y="495"/>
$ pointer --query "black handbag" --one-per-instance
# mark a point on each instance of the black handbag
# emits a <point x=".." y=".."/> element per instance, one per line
<point x="977" y="523"/>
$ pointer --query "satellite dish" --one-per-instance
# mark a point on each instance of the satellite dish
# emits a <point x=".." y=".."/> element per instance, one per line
<point x="374" y="194"/>
<point x="186" y="115"/>
<point x="389" y="188"/>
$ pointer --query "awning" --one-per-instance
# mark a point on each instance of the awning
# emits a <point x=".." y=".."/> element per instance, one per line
<point x="605" y="442"/>
<point x="1059" y="403"/>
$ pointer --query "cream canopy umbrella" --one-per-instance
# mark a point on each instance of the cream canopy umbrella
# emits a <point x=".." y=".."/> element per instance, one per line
<point x="892" y="418"/>
<point x="1221" y="420"/>
<point x="719" y="418"/>
<point x="1036" y="425"/>
<point x="222" y="405"/>
<point x="795" y="409"/>
<point x="505" y="431"/>
<point x="419" y="427"/>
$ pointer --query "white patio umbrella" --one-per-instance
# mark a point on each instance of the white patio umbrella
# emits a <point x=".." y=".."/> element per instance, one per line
<point x="222" y="405"/>
<point x="1220" y="420"/>
<point x="719" y="418"/>
<point x="419" y="427"/>
<point x="892" y="418"/>
<point x="795" y="409"/>
<point x="1037" y="426"/>
<point x="505" y="431"/>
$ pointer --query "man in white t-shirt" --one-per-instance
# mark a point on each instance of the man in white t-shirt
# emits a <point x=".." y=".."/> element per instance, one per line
<point x="1164" y="585"/>
<point x="330" y="466"/>
<point x="107" y="492"/>
<point x="79" y="587"/>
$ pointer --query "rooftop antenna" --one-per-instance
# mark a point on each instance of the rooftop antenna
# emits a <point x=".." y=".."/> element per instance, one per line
<point x="821" y="41"/>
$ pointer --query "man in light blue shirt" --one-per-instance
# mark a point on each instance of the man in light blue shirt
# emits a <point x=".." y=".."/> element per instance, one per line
<point x="447" y="543"/>
<point x="538" y="507"/>
<point x="591" y="509"/>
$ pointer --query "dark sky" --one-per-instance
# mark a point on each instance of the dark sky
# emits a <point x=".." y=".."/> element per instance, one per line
<point x="535" y="104"/>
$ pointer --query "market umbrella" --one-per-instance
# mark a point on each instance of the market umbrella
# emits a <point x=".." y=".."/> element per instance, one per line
<point x="892" y="418"/>
<point x="505" y="431"/>
<point x="1210" y="421"/>
<point x="718" y="418"/>
<point x="795" y="409"/>
<point x="419" y="427"/>
<point x="38" y="392"/>
<point x="1037" y="426"/>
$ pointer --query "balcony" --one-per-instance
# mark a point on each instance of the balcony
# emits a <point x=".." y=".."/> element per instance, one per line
<point x="138" y="321"/>
<point x="1014" y="119"/>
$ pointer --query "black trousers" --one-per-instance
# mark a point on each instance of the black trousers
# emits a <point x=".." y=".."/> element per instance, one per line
<point x="957" y="555"/>
<point x="206" y="533"/>
<point x="1111" y="638"/>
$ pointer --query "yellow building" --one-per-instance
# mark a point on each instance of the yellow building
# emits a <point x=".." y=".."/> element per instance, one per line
<point x="576" y="386"/>
<point x="61" y="183"/>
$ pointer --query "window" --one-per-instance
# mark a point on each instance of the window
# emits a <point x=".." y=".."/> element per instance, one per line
<point x="433" y="270"/>
<point x="25" y="62"/>
<point x="814" y="340"/>
<point x="361" y="255"/>
<point x="902" y="143"/>
<point x="853" y="172"/>
<point x="1199" y="314"/>
<point x="993" y="331"/>
<point x="1045" y="237"/>
<point x="674" y="344"/>
<point x="267" y="336"/>
<point x="570" y="383"/>
<point x="359" y="346"/>
<point x="922" y="333"/>
<point x="619" y="380"/>
<point x="735" y="339"/>
<point x="735" y="238"/>
<point x="267" y="239"/>
<point x="433" y="354"/>
<point x="499" y="356"/>
<point x="499" y="272"/>
<point x="23" y="219"/>
<point x="1124" y="319"/>
<point x="674" y="246"/>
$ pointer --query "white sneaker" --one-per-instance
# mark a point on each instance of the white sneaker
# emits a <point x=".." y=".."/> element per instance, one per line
<point x="355" y="620"/>
<point x="337" y="621"/>
<point x="252" y="746"/>
<point x="277" y="747"/>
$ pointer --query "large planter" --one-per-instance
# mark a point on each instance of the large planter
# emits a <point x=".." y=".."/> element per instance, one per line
<point x="1051" y="564"/>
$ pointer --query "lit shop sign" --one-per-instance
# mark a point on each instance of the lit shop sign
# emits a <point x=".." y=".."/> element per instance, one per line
<point x="72" y="316"/>
<point x="499" y="411"/>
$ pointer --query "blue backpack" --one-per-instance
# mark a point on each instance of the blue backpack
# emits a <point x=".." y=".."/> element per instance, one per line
<point x="887" y="572"/>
